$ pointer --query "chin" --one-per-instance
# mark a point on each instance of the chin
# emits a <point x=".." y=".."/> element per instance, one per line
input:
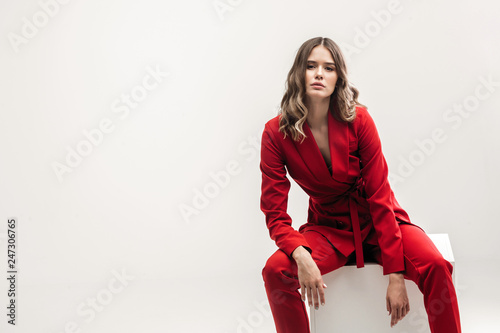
<point x="318" y="94"/>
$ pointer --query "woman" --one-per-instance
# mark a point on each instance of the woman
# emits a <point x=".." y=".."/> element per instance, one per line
<point x="330" y="146"/>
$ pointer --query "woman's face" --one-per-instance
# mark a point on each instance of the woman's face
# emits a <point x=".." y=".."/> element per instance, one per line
<point x="321" y="75"/>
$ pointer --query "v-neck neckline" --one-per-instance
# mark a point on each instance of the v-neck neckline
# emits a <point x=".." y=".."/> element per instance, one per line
<point x="329" y="169"/>
<point x="338" y="138"/>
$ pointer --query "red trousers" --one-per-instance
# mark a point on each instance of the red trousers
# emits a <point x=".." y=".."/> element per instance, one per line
<point x="424" y="265"/>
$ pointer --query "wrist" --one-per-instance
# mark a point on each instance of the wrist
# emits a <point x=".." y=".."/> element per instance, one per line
<point x="300" y="253"/>
<point x="396" y="277"/>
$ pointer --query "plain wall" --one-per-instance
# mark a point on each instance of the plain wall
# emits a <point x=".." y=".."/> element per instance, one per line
<point x="103" y="243"/>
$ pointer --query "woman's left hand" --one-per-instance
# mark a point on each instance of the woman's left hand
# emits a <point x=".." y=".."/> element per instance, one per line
<point x="397" y="298"/>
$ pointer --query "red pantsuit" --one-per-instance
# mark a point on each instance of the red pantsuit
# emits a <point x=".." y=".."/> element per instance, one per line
<point x="352" y="210"/>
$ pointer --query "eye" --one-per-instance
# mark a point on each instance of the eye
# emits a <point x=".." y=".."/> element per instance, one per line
<point x="309" y="66"/>
<point x="331" y="68"/>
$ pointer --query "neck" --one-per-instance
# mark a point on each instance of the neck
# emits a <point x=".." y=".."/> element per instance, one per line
<point x="318" y="113"/>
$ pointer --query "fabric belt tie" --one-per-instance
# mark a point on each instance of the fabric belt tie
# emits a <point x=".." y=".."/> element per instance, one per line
<point x="352" y="194"/>
<point x="356" y="230"/>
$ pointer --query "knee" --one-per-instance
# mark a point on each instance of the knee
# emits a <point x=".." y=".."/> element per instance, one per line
<point x="271" y="269"/>
<point x="279" y="278"/>
<point x="437" y="265"/>
<point x="277" y="267"/>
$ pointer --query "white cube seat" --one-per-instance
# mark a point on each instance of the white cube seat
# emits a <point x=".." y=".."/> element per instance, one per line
<point x="355" y="299"/>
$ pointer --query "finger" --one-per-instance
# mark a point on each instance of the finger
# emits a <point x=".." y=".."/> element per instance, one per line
<point x="388" y="305"/>
<point x="315" y="297"/>
<point x="322" y="295"/>
<point x="403" y="311"/>
<point x="406" y="309"/>
<point x="303" y="293"/>
<point x="309" y="296"/>
<point x="395" y="316"/>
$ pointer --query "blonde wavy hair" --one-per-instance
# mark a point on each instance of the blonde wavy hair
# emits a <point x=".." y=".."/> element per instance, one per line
<point x="343" y="100"/>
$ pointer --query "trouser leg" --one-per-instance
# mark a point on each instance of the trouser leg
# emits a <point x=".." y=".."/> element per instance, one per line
<point x="425" y="265"/>
<point x="281" y="283"/>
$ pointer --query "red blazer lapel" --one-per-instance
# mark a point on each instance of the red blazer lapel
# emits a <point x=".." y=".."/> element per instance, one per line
<point x="310" y="154"/>
<point x="338" y="138"/>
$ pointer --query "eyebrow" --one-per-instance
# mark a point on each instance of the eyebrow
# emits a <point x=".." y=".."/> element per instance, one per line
<point x="327" y="63"/>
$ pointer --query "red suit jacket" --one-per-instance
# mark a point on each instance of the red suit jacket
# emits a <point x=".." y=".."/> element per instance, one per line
<point x="352" y="205"/>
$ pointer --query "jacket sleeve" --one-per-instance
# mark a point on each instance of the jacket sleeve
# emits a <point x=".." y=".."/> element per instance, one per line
<point x="379" y="195"/>
<point x="274" y="196"/>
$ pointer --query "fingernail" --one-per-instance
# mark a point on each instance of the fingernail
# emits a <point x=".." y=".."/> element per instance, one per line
<point x="316" y="307"/>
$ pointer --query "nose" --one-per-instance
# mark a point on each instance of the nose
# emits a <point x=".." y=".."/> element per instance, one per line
<point x="319" y="72"/>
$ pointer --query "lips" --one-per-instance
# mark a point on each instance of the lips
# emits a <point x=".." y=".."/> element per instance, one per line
<point x="317" y="84"/>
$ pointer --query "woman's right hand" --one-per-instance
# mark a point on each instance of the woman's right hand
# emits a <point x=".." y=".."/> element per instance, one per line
<point x="310" y="279"/>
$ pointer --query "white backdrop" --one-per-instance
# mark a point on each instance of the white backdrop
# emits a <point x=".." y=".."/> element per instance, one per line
<point x="130" y="140"/>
